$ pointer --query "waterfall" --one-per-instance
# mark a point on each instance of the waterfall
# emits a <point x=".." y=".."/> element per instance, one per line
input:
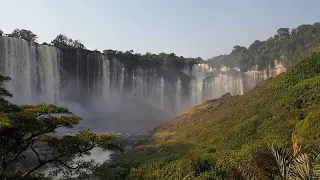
<point x="161" y="90"/>
<point x="109" y="96"/>
<point x="178" y="95"/>
<point x="49" y="74"/>
<point x="255" y="77"/>
<point x="198" y="74"/>
<point x="97" y="85"/>
<point x="223" y="82"/>
<point x="34" y="70"/>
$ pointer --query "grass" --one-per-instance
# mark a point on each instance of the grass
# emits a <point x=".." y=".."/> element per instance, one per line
<point x="206" y="141"/>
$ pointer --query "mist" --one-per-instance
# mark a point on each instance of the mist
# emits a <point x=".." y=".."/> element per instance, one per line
<point x="110" y="97"/>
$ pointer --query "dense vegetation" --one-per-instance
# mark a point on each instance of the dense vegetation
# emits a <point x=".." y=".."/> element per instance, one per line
<point x="62" y="41"/>
<point x="131" y="59"/>
<point x="26" y="138"/>
<point x="211" y="140"/>
<point x="286" y="46"/>
<point x="24" y="34"/>
<point x="274" y="162"/>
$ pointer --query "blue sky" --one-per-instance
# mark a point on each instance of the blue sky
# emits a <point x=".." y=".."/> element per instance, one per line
<point x="204" y="28"/>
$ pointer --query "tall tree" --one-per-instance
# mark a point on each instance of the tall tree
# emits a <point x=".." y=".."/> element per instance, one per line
<point x="61" y="41"/>
<point x="284" y="32"/>
<point x="78" y="45"/>
<point x="15" y="33"/>
<point x="28" y="35"/>
<point x="24" y="34"/>
<point x="27" y="135"/>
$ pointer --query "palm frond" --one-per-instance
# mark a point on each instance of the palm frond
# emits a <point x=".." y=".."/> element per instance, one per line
<point x="316" y="160"/>
<point x="247" y="173"/>
<point x="283" y="158"/>
<point x="316" y="169"/>
<point x="301" y="167"/>
<point x="296" y="145"/>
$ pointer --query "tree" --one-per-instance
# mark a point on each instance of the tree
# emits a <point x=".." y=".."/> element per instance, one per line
<point x="24" y="34"/>
<point x="277" y="162"/>
<point x="15" y="33"/>
<point x="1" y="32"/>
<point x="28" y="35"/>
<point x="285" y="46"/>
<point x="239" y="53"/>
<point x="284" y="32"/>
<point x="61" y="41"/>
<point x="78" y="45"/>
<point x="26" y="134"/>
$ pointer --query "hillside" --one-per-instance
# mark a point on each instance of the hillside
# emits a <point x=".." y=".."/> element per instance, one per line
<point x="285" y="46"/>
<point x="207" y="141"/>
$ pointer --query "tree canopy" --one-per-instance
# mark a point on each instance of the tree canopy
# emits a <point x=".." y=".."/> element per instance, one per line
<point x="27" y="135"/>
<point x="286" y="46"/>
<point x="63" y="41"/>
<point x="131" y="59"/>
<point x="24" y="34"/>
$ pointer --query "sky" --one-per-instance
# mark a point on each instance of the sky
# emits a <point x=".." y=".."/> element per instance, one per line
<point x="190" y="28"/>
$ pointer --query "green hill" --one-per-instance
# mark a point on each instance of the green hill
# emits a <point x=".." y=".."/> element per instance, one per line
<point x="207" y="141"/>
<point x="285" y="46"/>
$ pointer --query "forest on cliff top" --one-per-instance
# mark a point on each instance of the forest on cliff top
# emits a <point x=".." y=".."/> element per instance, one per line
<point x="285" y="46"/>
<point x="129" y="58"/>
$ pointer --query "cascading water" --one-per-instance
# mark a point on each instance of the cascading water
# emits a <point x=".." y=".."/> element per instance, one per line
<point x="34" y="70"/>
<point x="109" y="96"/>
<point x="100" y="86"/>
<point x="198" y="74"/>
<point x="48" y="68"/>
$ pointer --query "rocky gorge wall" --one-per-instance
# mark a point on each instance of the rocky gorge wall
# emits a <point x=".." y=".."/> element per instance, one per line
<point x="232" y="80"/>
<point x="111" y="95"/>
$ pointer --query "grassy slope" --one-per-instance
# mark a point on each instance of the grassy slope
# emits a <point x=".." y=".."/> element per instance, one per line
<point x="229" y="132"/>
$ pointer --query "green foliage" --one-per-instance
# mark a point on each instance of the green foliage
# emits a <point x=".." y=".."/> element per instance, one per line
<point x="24" y="34"/>
<point x="112" y="171"/>
<point x="62" y="41"/>
<point x="206" y="168"/>
<point x="307" y="67"/>
<point x="211" y="150"/>
<point x="276" y="162"/>
<point x="26" y="136"/>
<point x="285" y="46"/>
<point x="220" y="138"/>
<point x="131" y="59"/>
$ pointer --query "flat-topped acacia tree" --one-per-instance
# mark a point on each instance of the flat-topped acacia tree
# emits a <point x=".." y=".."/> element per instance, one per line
<point x="26" y="135"/>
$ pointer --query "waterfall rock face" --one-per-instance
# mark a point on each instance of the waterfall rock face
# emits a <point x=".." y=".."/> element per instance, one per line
<point x="81" y="74"/>
<point x="34" y="70"/>
<point x="234" y="81"/>
<point x="110" y="96"/>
